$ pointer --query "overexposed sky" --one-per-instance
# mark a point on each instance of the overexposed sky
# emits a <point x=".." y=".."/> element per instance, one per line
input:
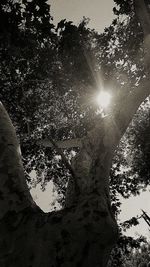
<point x="99" y="11"/>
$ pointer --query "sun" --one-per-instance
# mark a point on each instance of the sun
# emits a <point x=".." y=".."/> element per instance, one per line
<point x="103" y="99"/>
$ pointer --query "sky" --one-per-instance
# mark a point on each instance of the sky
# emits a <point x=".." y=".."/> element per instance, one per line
<point x="101" y="15"/>
<point x="132" y="207"/>
<point x="99" y="11"/>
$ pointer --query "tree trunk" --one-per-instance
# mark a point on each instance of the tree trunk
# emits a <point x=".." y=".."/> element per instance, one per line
<point x="84" y="232"/>
<point x="82" y="235"/>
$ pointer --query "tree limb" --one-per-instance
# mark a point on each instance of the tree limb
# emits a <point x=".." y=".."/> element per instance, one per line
<point x="14" y="193"/>
<point x="123" y="115"/>
<point x="143" y="15"/>
<point x="141" y="11"/>
<point x="70" y="143"/>
<point x="128" y="107"/>
<point x="67" y="164"/>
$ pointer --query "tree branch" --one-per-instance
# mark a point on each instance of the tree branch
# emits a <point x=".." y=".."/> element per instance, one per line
<point x="70" y="143"/>
<point x="14" y="193"/>
<point x="123" y="115"/>
<point x="141" y="11"/>
<point x="143" y="15"/>
<point x="67" y="164"/>
<point x="128" y="107"/>
<point x="146" y="217"/>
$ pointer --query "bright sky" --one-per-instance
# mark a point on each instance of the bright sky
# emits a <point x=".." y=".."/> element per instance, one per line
<point x="101" y="15"/>
<point x="99" y="11"/>
<point x="132" y="207"/>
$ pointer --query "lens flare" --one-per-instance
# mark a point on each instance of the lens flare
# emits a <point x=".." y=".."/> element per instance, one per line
<point x="103" y="99"/>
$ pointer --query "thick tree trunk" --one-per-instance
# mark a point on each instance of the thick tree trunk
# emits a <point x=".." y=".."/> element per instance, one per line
<point x="84" y="232"/>
<point x="79" y="236"/>
<point x="82" y="235"/>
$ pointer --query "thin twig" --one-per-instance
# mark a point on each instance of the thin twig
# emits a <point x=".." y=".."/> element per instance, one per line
<point x="146" y="217"/>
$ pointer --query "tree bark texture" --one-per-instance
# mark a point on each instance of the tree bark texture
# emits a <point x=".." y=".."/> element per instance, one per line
<point x="84" y="232"/>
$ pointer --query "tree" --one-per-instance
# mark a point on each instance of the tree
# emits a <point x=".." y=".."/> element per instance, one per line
<point x="139" y="257"/>
<point x="26" y="33"/>
<point x="84" y="232"/>
<point x="27" y="52"/>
